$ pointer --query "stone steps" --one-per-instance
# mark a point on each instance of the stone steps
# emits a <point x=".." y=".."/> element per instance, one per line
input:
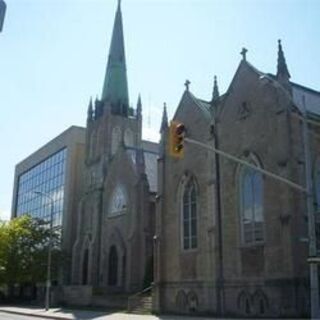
<point x="143" y="305"/>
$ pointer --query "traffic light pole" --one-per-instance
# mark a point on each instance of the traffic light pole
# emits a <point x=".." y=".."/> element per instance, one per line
<point x="248" y="164"/>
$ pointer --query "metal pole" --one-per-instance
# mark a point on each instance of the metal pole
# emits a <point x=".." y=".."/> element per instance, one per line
<point x="220" y="282"/>
<point x="48" y="280"/>
<point x="48" y="284"/>
<point x="248" y="164"/>
<point x="314" y="286"/>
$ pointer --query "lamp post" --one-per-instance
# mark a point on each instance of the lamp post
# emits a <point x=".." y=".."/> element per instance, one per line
<point x="48" y="280"/>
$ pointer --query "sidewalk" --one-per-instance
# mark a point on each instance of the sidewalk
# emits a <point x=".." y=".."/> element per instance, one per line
<point x="69" y="314"/>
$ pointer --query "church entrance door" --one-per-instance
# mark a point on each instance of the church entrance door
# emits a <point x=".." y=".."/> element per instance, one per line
<point x="85" y="267"/>
<point x="113" y="266"/>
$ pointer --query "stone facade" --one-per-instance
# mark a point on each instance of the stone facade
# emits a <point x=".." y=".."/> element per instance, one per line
<point x="244" y="263"/>
<point x="222" y="238"/>
<point x="112" y="252"/>
<point x="116" y="209"/>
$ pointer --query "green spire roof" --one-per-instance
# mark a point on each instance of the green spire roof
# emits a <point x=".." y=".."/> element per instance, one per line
<point x="115" y="88"/>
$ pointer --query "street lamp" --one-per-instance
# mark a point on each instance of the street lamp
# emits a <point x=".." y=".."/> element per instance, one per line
<point x="48" y="281"/>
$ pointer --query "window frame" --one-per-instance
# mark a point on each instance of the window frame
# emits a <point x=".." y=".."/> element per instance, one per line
<point x="190" y="183"/>
<point x="246" y="172"/>
<point x="120" y="193"/>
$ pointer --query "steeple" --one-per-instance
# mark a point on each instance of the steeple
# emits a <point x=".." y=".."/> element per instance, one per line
<point x="115" y="88"/>
<point x="215" y="93"/>
<point x="139" y="107"/>
<point x="164" y="122"/>
<point x="282" y="69"/>
<point x="90" y="111"/>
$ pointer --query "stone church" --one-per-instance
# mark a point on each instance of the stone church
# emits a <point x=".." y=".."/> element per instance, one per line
<point x="229" y="239"/>
<point x="216" y="236"/>
<point x="113" y="246"/>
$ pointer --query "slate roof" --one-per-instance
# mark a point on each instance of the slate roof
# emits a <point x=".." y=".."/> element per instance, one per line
<point x="150" y="152"/>
<point x="151" y="170"/>
<point x="300" y="94"/>
<point x="204" y="106"/>
<point x="309" y="97"/>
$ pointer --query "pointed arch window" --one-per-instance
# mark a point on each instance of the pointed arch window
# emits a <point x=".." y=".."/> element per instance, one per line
<point x="189" y="217"/>
<point x="251" y="198"/>
<point x="116" y="139"/>
<point x="118" y="201"/>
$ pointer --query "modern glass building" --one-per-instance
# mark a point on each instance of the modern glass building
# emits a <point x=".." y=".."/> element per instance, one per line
<point x="51" y="177"/>
<point x="43" y="186"/>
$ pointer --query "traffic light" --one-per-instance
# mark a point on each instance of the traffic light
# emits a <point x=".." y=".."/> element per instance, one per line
<point x="2" y="13"/>
<point x="176" y="139"/>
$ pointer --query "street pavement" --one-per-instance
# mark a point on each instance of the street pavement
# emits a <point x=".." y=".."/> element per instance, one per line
<point x="10" y="312"/>
<point x="33" y="313"/>
<point x="9" y="316"/>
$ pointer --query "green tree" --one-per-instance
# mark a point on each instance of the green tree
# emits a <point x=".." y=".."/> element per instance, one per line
<point x="23" y="251"/>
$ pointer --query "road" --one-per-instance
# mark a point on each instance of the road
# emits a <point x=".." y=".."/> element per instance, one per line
<point x="8" y="316"/>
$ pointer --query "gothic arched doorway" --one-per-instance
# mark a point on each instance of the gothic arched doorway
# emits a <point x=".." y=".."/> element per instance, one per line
<point x="113" y="266"/>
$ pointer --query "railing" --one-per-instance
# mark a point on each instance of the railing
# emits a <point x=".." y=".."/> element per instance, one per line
<point x="135" y="299"/>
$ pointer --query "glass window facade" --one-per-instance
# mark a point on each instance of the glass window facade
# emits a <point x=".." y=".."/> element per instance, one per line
<point x="47" y="177"/>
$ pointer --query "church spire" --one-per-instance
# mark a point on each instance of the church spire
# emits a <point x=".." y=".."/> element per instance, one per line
<point x="215" y="93"/>
<point x="164" y="122"/>
<point x="282" y="69"/>
<point x="90" y="111"/>
<point x="139" y="107"/>
<point x="115" y="88"/>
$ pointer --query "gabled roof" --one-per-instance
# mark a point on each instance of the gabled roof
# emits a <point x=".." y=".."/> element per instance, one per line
<point x="202" y="105"/>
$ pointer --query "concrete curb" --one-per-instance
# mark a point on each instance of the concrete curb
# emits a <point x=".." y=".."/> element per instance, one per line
<point x="36" y="315"/>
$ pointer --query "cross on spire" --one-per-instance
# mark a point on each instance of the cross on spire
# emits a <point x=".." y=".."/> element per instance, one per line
<point x="187" y="84"/>
<point x="244" y="54"/>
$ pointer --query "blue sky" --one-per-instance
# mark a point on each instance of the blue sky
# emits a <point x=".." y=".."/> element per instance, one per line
<point x="53" y="55"/>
